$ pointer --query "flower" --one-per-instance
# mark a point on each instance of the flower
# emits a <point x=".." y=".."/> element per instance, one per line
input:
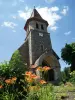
<point x="8" y="81"/>
<point x="28" y="73"/>
<point x="29" y="80"/>
<point x="33" y="76"/>
<point x="45" y="68"/>
<point x="14" y="78"/>
<point x="1" y="86"/>
<point x="39" y="69"/>
<point x="43" y="82"/>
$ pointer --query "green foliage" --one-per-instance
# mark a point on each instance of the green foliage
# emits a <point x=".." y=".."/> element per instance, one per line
<point x="5" y="69"/>
<point x="17" y="64"/>
<point x="44" y="93"/>
<point x="8" y="70"/>
<point x="72" y="77"/>
<point x="15" y="67"/>
<point x="7" y="96"/>
<point x="68" y="55"/>
<point x="65" y="74"/>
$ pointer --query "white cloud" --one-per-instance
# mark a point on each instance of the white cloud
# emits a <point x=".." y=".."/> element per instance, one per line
<point x="65" y="10"/>
<point x="9" y="24"/>
<point x="54" y="28"/>
<point x="49" y="1"/>
<point x="49" y="14"/>
<point x="54" y="8"/>
<point x="67" y="33"/>
<point x="25" y="14"/>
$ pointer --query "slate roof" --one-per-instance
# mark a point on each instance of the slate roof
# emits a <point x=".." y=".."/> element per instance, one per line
<point x="35" y="16"/>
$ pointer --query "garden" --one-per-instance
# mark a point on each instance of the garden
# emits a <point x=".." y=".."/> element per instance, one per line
<point x="18" y="83"/>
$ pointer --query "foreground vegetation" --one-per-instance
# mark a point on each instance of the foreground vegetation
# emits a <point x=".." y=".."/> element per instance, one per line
<point x="17" y="83"/>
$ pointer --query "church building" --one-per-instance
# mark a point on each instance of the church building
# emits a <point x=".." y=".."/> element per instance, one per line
<point x="37" y="48"/>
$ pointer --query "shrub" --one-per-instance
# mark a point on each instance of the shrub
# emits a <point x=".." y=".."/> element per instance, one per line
<point x="11" y="78"/>
<point x="72" y="77"/>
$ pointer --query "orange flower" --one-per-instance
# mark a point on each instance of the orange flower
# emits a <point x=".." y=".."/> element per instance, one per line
<point x="43" y="82"/>
<point x="1" y="86"/>
<point x="29" y="80"/>
<point x="39" y="69"/>
<point x="45" y="68"/>
<point x="14" y="78"/>
<point x="8" y="81"/>
<point x="11" y="81"/>
<point x="33" y="76"/>
<point x="28" y="73"/>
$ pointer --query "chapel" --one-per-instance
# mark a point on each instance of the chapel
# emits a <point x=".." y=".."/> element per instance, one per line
<point x="37" y="48"/>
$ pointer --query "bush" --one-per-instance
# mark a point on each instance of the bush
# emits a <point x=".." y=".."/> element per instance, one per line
<point x="72" y="77"/>
<point x="12" y="80"/>
<point x="5" y="69"/>
<point x="18" y="67"/>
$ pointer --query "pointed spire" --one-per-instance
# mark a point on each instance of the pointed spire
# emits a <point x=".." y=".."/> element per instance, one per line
<point x="34" y="7"/>
<point x="35" y="14"/>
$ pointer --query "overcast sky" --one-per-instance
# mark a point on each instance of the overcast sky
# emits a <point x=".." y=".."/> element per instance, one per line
<point x="60" y="15"/>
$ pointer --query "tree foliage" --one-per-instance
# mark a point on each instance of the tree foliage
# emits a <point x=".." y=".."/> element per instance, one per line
<point x="15" y="67"/>
<point x="5" y="69"/>
<point x="68" y="55"/>
<point x="65" y="74"/>
<point x="72" y="77"/>
<point x="17" y="64"/>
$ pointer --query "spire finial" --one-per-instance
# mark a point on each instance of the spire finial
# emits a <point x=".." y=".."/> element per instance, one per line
<point x="34" y="7"/>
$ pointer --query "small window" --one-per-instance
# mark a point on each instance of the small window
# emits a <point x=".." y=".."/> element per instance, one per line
<point x="37" y="26"/>
<point x="42" y="48"/>
<point x="42" y="27"/>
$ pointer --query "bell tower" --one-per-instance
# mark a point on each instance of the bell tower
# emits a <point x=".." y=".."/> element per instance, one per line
<point x="37" y="36"/>
<point x="37" y="48"/>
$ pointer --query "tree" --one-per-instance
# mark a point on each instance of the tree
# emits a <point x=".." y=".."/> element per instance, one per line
<point x="68" y="55"/>
<point x="4" y="69"/>
<point x="65" y="74"/>
<point x="17" y="64"/>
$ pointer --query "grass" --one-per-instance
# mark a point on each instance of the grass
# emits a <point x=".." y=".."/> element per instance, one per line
<point x="51" y="92"/>
<point x="63" y="90"/>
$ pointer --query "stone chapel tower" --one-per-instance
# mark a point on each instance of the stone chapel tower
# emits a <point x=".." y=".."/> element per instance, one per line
<point x="37" y="48"/>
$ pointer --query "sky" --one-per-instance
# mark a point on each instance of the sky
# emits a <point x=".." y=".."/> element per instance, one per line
<point x="60" y="15"/>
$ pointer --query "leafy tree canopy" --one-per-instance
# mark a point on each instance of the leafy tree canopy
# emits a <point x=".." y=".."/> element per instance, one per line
<point x="68" y="55"/>
<point x="17" y="64"/>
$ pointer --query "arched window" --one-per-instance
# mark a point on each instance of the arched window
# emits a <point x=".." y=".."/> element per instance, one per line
<point x="37" y="26"/>
<point x="42" y="27"/>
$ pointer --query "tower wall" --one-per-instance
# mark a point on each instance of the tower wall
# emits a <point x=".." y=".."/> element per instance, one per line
<point x="37" y="41"/>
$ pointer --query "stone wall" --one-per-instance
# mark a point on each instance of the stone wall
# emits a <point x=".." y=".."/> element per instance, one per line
<point x="24" y="51"/>
<point x="37" y="41"/>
